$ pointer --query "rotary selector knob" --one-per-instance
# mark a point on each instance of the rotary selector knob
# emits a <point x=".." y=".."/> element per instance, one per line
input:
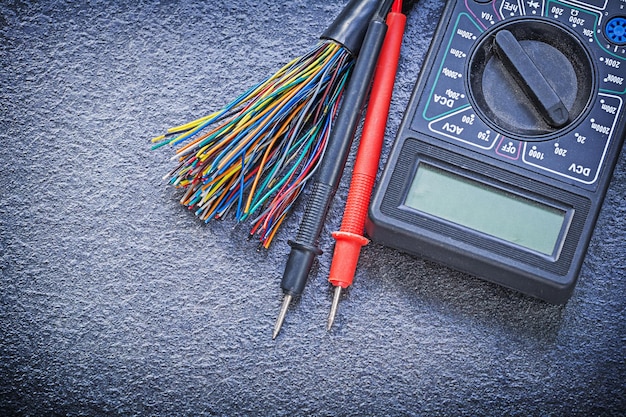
<point x="530" y="79"/>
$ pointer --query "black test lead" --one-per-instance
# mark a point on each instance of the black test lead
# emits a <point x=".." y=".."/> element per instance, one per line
<point x="305" y="246"/>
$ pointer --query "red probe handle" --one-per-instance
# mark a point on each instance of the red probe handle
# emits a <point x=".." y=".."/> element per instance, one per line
<point x="350" y="237"/>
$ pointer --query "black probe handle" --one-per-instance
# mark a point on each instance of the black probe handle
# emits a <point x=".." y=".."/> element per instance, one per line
<point x="304" y="248"/>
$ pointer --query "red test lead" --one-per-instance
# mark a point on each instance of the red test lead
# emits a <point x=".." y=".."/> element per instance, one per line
<point x="350" y="237"/>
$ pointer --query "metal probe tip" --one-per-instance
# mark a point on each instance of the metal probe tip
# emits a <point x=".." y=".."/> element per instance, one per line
<point x="333" y="307"/>
<point x="281" y="315"/>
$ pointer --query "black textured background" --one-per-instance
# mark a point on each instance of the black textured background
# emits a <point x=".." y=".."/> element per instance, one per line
<point x="114" y="300"/>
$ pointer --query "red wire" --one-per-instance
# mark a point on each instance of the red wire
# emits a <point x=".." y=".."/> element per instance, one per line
<point x="350" y="236"/>
<point x="397" y="6"/>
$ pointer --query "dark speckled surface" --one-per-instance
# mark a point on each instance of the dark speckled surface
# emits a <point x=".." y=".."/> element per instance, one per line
<point x="116" y="301"/>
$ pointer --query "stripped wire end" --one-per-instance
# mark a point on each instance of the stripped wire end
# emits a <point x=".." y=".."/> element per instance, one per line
<point x="255" y="155"/>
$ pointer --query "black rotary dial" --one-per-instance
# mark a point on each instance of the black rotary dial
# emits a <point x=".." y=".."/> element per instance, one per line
<point x="530" y="79"/>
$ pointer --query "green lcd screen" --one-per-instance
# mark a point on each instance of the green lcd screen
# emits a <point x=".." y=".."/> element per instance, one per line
<point x="486" y="209"/>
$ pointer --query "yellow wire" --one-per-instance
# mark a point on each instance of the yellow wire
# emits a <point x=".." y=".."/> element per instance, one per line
<point x="192" y="124"/>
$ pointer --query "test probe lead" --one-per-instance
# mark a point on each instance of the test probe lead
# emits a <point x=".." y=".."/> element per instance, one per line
<point x="350" y="237"/>
<point x="304" y="247"/>
<point x="281" y="314"/>
<point x="334" y="306"/>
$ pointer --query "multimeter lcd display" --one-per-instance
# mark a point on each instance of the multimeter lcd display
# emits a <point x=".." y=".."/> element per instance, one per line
<point x="462" y="201"/>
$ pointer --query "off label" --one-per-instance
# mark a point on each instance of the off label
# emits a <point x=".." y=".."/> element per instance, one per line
<point x="509" y="148"/>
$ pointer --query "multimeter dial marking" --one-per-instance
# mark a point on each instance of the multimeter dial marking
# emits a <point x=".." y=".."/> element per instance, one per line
<point x="449" y="94"/>
<point x="567" y="48"/>
<point x="579" y="153"/>
<point x="530" y="79"/>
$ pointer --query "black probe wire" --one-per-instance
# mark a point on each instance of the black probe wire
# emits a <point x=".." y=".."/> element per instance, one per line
<point x="304" y="248"/>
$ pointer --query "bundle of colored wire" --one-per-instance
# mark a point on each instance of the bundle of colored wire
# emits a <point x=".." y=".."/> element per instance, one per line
<point x="256" y="154"/>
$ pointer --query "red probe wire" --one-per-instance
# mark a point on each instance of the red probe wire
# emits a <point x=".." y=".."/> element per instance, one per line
<point x="350" y="237"/>
<point x="397" y="8"/>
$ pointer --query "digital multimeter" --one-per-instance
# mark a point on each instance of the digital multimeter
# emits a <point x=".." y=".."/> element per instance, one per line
<point x="509" y="141"/>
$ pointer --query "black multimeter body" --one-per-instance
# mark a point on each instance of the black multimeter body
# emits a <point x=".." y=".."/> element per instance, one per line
<point x="509" y="142"/>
